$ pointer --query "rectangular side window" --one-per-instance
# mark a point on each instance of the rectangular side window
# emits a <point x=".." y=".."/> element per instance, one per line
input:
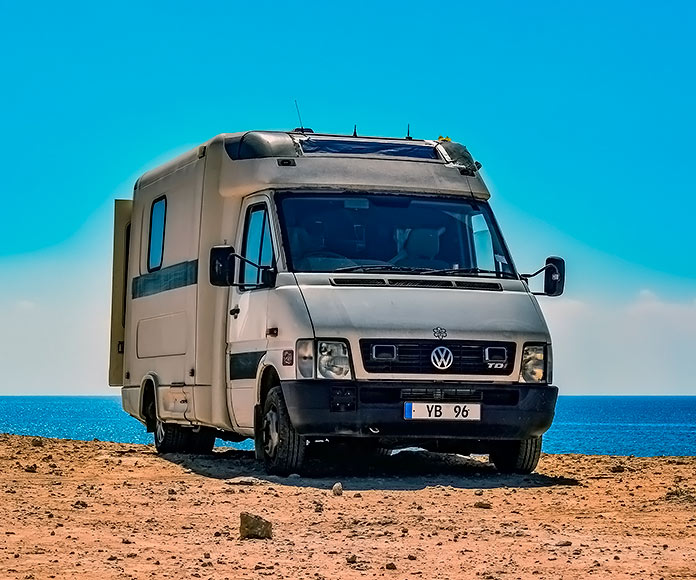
<point x="158" y="216"/>
<point x="257" y="247"/>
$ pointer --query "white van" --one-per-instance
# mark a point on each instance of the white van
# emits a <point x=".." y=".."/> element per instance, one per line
<point x="295" y="287"/>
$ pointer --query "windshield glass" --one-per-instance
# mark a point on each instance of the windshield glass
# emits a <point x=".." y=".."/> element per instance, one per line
<point x="355" y="231"/>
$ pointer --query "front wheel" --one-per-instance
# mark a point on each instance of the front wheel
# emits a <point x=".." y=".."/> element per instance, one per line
<point x="282" y="447"/>
<point x="517" y="456"/>
<point x="171" y="438"/>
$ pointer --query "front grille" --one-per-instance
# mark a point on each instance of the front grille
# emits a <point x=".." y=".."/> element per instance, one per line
<point x="489" y="396"/>
<point x="413" y="357"/>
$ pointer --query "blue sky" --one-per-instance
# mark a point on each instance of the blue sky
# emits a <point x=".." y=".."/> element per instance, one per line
<point x="581" y="113"/>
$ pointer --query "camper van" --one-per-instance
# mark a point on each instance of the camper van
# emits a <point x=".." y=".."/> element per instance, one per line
<point x="296" y="288"/>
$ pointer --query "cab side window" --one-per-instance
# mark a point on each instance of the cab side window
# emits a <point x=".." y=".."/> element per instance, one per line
<point x="158" y="216"/>
<point x="257" y="247"/>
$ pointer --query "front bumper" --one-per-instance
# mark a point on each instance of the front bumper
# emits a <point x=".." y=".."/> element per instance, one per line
<point x="323" y="408"/>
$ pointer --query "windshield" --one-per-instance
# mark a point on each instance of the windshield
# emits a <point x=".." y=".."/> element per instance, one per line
<point x="355" y="231"/>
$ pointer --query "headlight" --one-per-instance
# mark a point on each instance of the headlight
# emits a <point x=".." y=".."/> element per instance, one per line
<point x="533" y="364"/>
<point x="333" y="361"/>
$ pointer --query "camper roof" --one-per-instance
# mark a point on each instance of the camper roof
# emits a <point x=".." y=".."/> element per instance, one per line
<point x="303" y="144"/>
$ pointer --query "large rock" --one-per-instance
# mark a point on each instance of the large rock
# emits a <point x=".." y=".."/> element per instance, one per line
<point x="251" y="526"/>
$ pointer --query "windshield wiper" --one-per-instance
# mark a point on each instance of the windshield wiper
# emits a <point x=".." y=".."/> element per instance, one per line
<point x="446" y="271"/>
<point x="380" y="268"/>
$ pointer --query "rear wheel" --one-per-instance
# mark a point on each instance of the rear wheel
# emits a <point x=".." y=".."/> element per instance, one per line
<point x="282" y="447"/>
<point x="171" y="438"/>
<point x="517" y="456"/>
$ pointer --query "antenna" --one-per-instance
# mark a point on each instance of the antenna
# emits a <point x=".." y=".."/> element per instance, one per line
<point x="355" y="130"/>
<point x="299" y="116"/>
<point x="408" y="132"/>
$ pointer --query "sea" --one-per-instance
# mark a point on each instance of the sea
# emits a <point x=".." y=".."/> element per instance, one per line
<point x="596" y="425"/>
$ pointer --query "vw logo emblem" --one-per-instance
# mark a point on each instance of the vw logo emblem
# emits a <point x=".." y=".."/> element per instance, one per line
<point x="442" y="358"/>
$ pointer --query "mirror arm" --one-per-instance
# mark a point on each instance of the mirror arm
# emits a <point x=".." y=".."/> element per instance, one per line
<point x="539" y="271"/>
<point x="255" y="265"/>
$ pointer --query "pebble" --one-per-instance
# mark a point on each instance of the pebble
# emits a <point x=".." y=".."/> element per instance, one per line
<point x="351" y="558"/>
<point x="390" y="566"/>
<point x="485" y="505"/>
<point x="337" y="488"/>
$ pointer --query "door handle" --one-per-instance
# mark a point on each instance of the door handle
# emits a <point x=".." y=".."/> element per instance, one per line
<point x="235" y="311"/>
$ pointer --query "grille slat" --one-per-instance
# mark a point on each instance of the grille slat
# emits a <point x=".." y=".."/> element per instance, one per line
<point x="413" y="357"/>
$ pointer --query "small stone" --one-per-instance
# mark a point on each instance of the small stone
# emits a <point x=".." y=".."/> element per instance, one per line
<point x="37" y="443"/>
<point x="358" y="494"/>
<point x="252" y="526"/>
<point x="337" y="488"/>
<point x="112" y="558"/>
<point x="478" y="492"/>
<point x="318" y="506"/>
<point x="564" y="543"/>
<point x="484" y="505"/>
<point x="171" y="491"/>
<point x="126" y="541"/>
<point x="390" y="566"/>
<point x="79" y="504"/>
<point x="411" y="557"/>
<point x="244" y="480"/>
<point x="30" y="468"/>
<point x="617" y="469"/>
<point x="351" y="558"/>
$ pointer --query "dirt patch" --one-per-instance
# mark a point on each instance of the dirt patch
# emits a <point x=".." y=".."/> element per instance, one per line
<point x="106" y="510"/>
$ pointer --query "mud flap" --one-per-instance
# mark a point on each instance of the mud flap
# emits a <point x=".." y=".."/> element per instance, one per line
<point x="258" y="425"/>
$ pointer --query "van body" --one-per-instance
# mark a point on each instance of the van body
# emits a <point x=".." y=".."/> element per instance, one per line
<point x="294" y="287"/>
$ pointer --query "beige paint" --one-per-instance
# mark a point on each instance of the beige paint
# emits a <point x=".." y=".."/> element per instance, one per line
<point x="122" y="218"/>
<point x="180" y="339"/>
<point x="162" y="336"/>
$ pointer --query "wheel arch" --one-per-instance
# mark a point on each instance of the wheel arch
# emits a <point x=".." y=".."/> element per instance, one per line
<point x="269" y="377"/>
<point x="148" y="400"/>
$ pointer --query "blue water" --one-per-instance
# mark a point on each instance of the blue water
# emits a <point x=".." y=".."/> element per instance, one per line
<point x="641" y="426"/>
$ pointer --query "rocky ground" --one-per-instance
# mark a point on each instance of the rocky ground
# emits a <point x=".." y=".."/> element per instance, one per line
<point x="73" y="509"/>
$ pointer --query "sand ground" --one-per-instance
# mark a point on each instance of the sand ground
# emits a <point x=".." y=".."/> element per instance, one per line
<point x="73" y="509"/>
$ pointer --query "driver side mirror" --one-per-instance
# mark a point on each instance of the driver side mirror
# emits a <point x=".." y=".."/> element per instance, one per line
<point x="554" y="276"/>
<point x="222" y="265"/>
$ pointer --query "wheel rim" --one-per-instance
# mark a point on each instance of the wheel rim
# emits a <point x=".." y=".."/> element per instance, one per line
<point x="159" y="432"/>
<point x="271" y="437"/>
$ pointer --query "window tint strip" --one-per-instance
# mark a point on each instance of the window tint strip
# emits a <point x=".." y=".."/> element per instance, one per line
<point x="169" y="278"/>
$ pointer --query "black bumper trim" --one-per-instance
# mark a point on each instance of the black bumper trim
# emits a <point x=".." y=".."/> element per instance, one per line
<point x="309" y="404"/>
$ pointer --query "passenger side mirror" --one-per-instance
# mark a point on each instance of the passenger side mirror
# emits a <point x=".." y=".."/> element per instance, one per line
<point x="222" y="265"/>
<point x="554" y="276"/>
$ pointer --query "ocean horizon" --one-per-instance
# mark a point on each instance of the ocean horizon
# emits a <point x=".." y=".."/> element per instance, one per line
<point x="640" y="425"/>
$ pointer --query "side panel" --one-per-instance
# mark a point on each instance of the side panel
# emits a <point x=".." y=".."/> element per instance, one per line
<point x="162" y="301"/>
<point x="123" y="209"/>
<point x="219" y="218"/>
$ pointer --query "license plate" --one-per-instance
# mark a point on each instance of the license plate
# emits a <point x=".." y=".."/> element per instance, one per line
<point x="442" y="411"/>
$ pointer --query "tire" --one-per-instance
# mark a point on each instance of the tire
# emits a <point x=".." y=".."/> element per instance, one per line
<point x="171" y="438"/>
<point x="282" y="447"/>
<point x="201" y="442"/>
<point x="517" y="456"/>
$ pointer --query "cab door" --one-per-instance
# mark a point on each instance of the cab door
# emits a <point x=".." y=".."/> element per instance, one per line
<point x="247" y="341"/>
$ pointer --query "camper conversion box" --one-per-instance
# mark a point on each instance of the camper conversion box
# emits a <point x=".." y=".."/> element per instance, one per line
<point x="294" y="287"/>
